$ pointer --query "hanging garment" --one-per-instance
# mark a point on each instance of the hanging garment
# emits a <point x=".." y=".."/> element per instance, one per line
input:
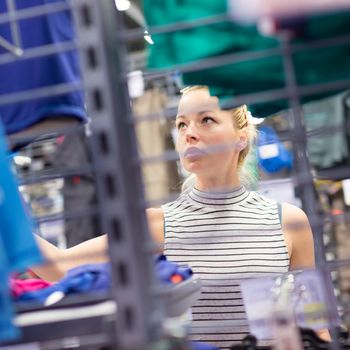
<point x="7" y="329"/>
<point x="78" y="191"/>
<point x="331" y="147"/>
<point x="15" y="226"/>
<point x="18" y="249"/>
<point x="27" y="74"/>
<point x="272" y="154"/>
<point x="252" y="76"/>
<point x="152" y="137"/>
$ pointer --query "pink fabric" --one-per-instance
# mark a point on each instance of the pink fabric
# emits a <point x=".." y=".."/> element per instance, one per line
<point x="18" y="287"/>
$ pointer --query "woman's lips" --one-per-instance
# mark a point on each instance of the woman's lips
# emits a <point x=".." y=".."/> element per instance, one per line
<point x="194" y="152"/>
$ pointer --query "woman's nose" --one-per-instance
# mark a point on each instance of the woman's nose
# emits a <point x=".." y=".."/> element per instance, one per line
<point x="191" y="133"/>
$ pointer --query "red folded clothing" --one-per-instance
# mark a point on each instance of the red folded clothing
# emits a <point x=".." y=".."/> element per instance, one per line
<point x="18" y="287"/>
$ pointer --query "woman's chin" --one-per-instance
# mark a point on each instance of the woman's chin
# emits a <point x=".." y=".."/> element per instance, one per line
<point x="193" y="165"/>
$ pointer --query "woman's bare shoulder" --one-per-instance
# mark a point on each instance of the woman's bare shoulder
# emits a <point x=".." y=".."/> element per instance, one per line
<point x="293" y="215"/>
<point x="297" y="230"/>
<point x="155" y="213"/>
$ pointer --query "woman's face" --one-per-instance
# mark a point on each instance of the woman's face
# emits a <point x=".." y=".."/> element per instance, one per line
<point x="207" y="138"/>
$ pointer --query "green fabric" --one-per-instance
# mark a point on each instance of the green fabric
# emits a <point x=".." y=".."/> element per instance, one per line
<point x="246" y="77"/>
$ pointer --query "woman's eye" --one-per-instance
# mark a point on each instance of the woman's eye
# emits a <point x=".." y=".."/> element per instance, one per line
<point x="180" y="125"/>
<point x="207" y="120"/>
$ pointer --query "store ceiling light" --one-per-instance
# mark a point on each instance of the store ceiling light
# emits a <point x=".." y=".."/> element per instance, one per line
<point x="148" y="37"/>
<point x="122" y="5"/>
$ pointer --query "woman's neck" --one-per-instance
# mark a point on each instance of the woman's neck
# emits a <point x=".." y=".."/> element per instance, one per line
<point x="217" y="183"/>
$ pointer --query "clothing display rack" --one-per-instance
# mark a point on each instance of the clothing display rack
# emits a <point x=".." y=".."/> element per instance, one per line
<point x="131" y="316"/>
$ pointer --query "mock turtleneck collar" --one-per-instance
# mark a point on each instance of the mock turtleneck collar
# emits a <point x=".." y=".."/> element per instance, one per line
<point x="231" y="196"/>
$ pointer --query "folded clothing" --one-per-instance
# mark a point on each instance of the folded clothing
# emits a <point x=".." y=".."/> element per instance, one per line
<point x="19" y="287"/>
<point x="82" y="279"/>
<point x="97" y="278"/>
<point x="195" y="345"/>
<point x="169" y="272"/>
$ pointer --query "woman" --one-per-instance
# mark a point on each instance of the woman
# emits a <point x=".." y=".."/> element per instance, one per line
<point x="224" y="232"/>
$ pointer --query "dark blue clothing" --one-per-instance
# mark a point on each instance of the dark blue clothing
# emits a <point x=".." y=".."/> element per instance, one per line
<point x="283" y="159"/>
<point x="202" y="346"/>
<point x="29" y="74"/>
<point x="165" y="270"/>
<point x="82" y="279"/>
<point x="97" y="278"/>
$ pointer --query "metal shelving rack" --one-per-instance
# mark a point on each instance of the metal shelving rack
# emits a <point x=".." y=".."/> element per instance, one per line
<point x="118" y="177"/>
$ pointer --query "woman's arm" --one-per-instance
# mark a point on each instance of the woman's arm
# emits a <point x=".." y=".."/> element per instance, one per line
<point x="59" y="261"/>
<point x="155" y="219"/>
<point x="298" y="235"/>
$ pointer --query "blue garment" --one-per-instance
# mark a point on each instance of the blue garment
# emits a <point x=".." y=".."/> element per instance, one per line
<point x="195" y="345"/>
<point x="7" y="330"/>
<point x="82" y="279"/>
<point x="15" y="226"/>
<point x="28" y="74"/>
<point x="166" y="269"/>
<point x="97" y="278"/>
<point x="18" y="248"/>
<point x="276" y="162"/>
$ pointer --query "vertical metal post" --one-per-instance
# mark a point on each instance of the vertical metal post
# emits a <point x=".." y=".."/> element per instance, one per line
<point x="120" y="189"/>
<point x="304" y="176"/>
<point x="14" y="25"/>
<point x="302" y="164"/>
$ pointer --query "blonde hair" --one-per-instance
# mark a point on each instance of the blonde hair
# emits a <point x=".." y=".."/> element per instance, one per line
<point x="240" y="116"/>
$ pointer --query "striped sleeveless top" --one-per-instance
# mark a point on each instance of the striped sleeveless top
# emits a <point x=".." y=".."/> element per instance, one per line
<point x="224" y="237"/>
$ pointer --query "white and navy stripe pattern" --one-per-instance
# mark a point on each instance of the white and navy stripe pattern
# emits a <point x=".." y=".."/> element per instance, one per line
<point x="224" y="237"/>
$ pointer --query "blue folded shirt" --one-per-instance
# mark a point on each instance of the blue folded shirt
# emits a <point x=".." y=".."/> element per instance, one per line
<point x="97" y="278"/>
<point x="82" y="279"/>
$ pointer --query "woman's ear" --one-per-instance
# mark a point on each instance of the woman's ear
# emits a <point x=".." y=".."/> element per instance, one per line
<point x="241" y="145"/>
<point x="242" y="139"/>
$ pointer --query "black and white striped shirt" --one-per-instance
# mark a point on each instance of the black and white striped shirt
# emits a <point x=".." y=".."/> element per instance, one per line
<point x="224" y="237"/>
